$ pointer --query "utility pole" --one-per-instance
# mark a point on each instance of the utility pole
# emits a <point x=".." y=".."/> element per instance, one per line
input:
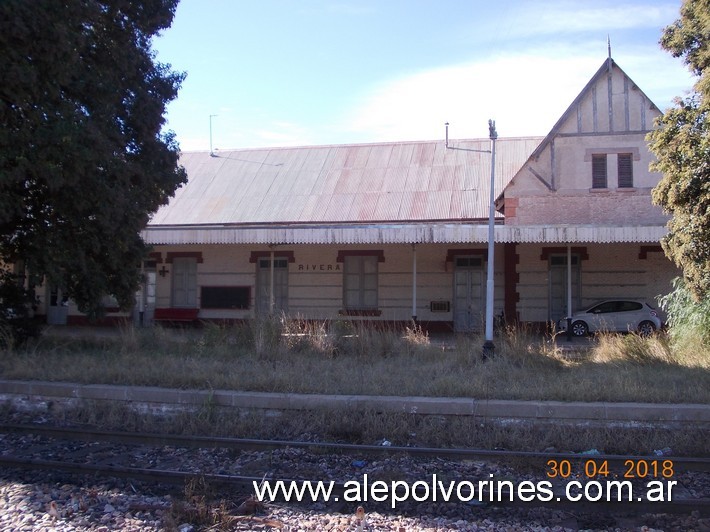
<point x="488" y="346"/>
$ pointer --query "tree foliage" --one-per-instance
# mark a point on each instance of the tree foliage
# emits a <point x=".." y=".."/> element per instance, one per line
<point x="16" y="311"/>
<point x="682" y="148"/>
<point x="83" y="160"/>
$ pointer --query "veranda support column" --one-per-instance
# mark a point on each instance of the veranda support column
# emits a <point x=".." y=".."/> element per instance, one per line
<point x="271" y="283"/>
<point x="569" y="292"/>
<point x="414" y="282"/>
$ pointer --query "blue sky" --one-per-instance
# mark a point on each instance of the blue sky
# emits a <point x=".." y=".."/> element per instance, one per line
<point x="302" y="72"/>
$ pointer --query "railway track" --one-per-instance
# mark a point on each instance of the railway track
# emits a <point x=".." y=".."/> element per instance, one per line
<point x="240" y="464"/>
<point x="682" y="463"/>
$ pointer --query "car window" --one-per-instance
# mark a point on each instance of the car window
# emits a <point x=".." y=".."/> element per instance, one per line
<point x="603" y="308"/>
<point x="629" y="306"/>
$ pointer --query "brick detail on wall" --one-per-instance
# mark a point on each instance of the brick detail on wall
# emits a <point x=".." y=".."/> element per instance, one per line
<point x="256" y="255"/>
<point x="511" y="279"/>
<point x="562" y="250"/>
<point x="610" y="207"/>
<point x="451" y="253"/>
<point x="645" y="250"/>
<point x="183" y="255"/>
<point x="380" y="254"/>
<point x="511" y="207"/>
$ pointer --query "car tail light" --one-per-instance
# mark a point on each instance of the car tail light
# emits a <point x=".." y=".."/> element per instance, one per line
<point x="654" y="313"/>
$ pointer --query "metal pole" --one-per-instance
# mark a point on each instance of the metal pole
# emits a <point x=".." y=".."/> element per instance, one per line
<point x="569" y="292"/>
<point x="488" y="346"/>
<point x="414" y="282"/>
<point x="141" y="297"/>
<point x="211" y="151"/>
<point x="271" y="284"/>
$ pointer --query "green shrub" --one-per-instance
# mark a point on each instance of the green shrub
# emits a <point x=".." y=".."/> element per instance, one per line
<point x="688" y="320"/>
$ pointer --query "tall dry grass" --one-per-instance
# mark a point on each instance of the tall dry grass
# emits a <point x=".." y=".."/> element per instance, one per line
<point x="371" y="428"/>
<point x="281" y="354"/>
<point x="632" y="349"/>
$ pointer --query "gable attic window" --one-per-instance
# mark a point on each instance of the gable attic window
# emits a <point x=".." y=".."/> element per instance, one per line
<point x="626" y="173"/>
<point x="599" y="170"/>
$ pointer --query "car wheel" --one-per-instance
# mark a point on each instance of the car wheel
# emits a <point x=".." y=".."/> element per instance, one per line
<point x="646" y="328"/>
<point x="579" y="328"/>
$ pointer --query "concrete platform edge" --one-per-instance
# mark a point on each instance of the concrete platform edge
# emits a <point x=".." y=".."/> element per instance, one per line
<point x="444" y="406"/>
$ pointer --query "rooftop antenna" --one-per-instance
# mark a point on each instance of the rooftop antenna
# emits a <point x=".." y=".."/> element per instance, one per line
<point x="446" y="143"/>
<point x="211" y="151"/>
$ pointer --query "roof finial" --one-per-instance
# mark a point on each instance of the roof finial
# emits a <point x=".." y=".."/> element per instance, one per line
<point x="608" y="45"/>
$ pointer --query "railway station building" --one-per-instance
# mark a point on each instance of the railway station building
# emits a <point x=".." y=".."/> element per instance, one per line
<point x="391" y="232"/>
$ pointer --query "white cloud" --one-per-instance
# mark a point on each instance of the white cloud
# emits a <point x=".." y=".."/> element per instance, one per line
<point x="526" y="94"/>
<point x="565" y="17"/>
<point x="661" y="76"/>
<point x="573" y="20"/>
<point x="283" y="134"/>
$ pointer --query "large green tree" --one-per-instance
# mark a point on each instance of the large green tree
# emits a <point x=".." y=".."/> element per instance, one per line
<point x="682" y="148"/>
<point x="83" y="158"/>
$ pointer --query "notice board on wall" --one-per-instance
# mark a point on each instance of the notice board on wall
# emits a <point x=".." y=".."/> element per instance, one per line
<point x="225" y="297"/>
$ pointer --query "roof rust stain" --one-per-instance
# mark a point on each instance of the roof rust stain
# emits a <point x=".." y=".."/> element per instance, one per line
<point x="359" y="183"/>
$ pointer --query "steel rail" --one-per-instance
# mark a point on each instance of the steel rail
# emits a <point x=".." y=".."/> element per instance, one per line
<point x="681" y="463"/>
<point x="492" y="499"/>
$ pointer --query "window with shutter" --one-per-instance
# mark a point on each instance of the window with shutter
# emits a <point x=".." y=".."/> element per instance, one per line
<point x="360" y="282"/>
<point x="599" y="170"/>
<point x="626" y="175"/>
<point x="184" y="289"/>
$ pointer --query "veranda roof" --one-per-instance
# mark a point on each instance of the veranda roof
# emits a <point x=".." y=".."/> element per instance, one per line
<point x="420" y="233"/>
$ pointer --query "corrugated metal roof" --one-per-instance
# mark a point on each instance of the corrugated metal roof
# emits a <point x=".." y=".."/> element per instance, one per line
<point x="427" y="233"/>
<point x="364" y="183"/>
